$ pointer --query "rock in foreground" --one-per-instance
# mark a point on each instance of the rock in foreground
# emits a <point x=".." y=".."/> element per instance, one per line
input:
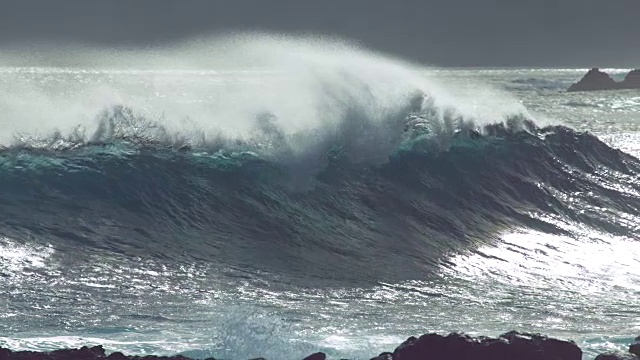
<point x="512" y="345"/>
<point x="84" y="353"/>
<point x="509" y="346"/>
<point x="616" y="356"/>
<point x="635" y="347"/>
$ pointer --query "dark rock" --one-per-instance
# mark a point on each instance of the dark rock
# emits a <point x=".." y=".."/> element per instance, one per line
<point x="595" y="80"/>
<point x="117" y="356"/>
<point x="632" y="80"/>
<point x="494" y="349"/>
<point x="616" y="356"/>
<point x="407" y="344"/>
<point x="84" y="353"/>
<point x="5" y="354"/>
<point x="554" y="348"/>
<point x="433" y="346"/>
<point x="96" y="351"/>
<point x="316" y="356"/>
<point x="512" y="345"/>
<point x="525" y="345"/>
<point x="635" y="347"/>
<point x="543" y="347"/>
<point x="455" y="346"/>
<point x="598" y="80"/>
<point x="414" y="348"/>
<point x="384" y="356"/>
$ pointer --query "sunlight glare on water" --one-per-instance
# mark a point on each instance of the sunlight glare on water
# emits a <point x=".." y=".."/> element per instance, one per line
<point x="15" y="257"/>
<point x="568" y="286"/>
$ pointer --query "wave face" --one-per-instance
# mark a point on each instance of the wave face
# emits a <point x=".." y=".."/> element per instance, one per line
<point x="329" y="215"/>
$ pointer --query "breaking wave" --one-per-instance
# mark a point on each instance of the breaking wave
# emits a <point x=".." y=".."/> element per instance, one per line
<point x="344" y="165"/>
<point x="384" y="200"/>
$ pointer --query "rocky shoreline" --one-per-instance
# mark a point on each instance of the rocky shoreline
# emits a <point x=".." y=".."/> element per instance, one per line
<point x="596" y="80"/>
<point x="509" y="346"/>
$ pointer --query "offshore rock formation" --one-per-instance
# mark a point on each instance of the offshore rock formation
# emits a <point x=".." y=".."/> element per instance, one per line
<point x="509" y="346"/>
<point x="594" y="80"/>
<point x="632" y="80"/>
<point x="597" y="80"/>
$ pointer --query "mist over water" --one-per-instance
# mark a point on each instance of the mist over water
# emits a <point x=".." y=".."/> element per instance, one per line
<point x="219" y="86"/>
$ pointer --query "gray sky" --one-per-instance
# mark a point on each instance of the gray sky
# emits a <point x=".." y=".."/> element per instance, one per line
<point x="572" y="33"/>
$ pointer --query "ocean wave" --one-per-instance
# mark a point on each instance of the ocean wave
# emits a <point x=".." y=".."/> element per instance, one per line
<point x="335" y="164"/>
<point x="407" y="191"/>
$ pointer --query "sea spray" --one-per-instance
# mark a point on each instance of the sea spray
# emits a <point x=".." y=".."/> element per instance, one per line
<point x="220" y="85"/>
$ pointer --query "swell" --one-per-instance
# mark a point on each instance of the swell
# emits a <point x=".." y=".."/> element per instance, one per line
<point x="350" y="220"/>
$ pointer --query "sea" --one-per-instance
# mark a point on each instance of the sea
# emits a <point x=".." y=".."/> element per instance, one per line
<point x="282" y="198"/>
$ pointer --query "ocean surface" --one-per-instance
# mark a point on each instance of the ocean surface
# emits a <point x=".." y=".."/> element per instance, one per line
<point x="340" y="206"/>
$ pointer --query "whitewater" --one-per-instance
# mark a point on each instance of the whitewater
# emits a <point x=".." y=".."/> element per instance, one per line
<point x="272" y="196"/>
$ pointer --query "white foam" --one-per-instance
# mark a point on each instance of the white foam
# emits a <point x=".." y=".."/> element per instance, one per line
<point x="16" y="257"/>
<point x="220" y="84"/>
<point x="592" y="264"/>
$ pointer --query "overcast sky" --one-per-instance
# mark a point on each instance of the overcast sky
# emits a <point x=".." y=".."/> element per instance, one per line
<point x="575" y="33"/>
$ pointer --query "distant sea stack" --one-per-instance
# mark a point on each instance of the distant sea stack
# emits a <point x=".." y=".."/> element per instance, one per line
<point x="596" y="80"/>
<point x="632" y="80"/>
